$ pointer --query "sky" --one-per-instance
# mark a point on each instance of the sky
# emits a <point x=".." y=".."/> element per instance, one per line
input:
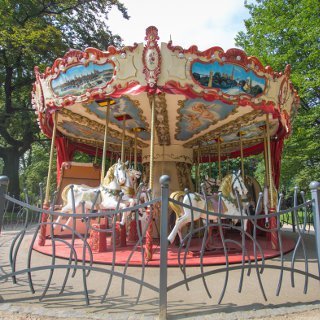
<point x="205" y="23"/>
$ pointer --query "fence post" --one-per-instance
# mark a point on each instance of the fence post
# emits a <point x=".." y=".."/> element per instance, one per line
<point x="315" y="193"/>
<point x="164" y="181"/>
<point x="4" y="181"/>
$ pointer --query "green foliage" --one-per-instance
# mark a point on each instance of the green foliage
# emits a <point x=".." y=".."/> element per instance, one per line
<point x="36" y="33"/>
<point x="287" y="32"/>
<point x="301" y="156"/>
<point x="36" y="169"/>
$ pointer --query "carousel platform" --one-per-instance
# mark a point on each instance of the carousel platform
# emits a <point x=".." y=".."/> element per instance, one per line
<point x="176" y="256"/>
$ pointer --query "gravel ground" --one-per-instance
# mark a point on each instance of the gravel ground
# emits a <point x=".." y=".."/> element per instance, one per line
<point x="305" y="315"/>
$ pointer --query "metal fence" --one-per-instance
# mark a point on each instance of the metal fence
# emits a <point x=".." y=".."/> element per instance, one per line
<point x="22" y="223"/>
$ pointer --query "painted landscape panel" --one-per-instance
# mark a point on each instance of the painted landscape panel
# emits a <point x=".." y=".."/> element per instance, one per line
<point x="230" y="78"/>
<point x="76" y="80"/>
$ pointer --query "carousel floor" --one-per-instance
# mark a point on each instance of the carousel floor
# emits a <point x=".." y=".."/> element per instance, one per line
<point x="175" y="257"/>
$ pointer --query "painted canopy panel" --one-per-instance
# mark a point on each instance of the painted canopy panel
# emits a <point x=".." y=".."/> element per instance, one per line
<point x="230" y="78"/>
<point x="197" y="115"/>
<point x="123" y="106"/>
<point x="76" y="80"/>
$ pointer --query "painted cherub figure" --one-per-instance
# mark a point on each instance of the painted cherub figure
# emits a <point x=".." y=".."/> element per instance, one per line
<point x="203" y="111"/>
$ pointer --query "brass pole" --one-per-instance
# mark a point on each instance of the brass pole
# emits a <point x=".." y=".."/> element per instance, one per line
<point x="162" y="165"/>
<point x="219" y="158"/>
<point x="130" y="153"/>
<point x="123" y="138"/>
<point x="135" y="150"/>
<point x="53" y="138"/>
<point x="241" y="155"/>
<point x="266" y="158"/>
<point x="96" y="156"/>
<point x="198" y="170"/>
<point x="104" y="150"/>
<point x="269" y="163"/>
<point x="111" y="159"/>
<point x="152" y="142"/>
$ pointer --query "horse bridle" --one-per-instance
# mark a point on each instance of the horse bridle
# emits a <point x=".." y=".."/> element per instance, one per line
<point x="237" y="179"/>
<point x="117" y="175"/>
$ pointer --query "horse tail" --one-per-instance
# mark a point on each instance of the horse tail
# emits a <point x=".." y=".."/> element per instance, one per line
<point x="64" y="194"/>
<point x="177" y="209"/>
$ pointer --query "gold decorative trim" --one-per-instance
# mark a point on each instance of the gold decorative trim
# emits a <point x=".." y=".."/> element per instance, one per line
<point x="136" y="103"/>
<point x="172" y="156"/>
<point x="184" y="175"/>
<point x="232" y="126"/>
<point x="95" y="126"/>
<point x="229" y="147"/>
<point x="161" y="119"/>
<point x="113" y="148"/>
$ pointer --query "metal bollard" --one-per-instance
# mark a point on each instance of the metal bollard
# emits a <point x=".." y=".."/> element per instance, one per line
<point x="315" y="193"/>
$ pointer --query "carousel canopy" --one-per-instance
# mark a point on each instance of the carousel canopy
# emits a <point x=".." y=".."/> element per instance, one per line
<point x="201" y="99"/>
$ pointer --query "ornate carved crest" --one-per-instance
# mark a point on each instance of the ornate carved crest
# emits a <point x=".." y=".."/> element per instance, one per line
<point x="151" y="57"/>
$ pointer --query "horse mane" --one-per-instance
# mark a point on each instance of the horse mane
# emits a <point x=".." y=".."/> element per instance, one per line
<point x="109" y="176"/>
<point x="225" y="186"/>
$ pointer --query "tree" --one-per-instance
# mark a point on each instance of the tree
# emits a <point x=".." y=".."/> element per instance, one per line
<point x="35" y="33"/>
<point x="281" y="32"/>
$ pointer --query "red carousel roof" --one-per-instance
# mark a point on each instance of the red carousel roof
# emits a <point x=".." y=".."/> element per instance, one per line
<point x="200" y="98"/>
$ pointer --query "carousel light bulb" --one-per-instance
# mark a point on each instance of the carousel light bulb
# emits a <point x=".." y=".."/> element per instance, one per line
<point x="113" y="58"/>
<point x="123" y="55"/>
<point x="181" y="55"/>
<point x="223" y="58"/>
<point x="238" y="58"/>
<point x="69" y="60"/>
<point x="83" y="60"/>
<point x="92" y="57"/>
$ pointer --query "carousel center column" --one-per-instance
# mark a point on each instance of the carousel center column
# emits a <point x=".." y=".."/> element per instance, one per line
<point x="174" y="161"/>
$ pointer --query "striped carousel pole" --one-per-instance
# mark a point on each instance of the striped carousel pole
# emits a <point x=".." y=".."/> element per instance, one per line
<point x="149" y="210"/>
<point x="46" y="205"/>
<point x="273" y="220"/>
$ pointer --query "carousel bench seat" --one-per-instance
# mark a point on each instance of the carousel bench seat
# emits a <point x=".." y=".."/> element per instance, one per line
<point x="78" y="173"/>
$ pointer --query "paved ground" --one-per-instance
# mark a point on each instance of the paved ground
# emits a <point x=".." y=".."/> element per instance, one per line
<point x="19" y="303"/>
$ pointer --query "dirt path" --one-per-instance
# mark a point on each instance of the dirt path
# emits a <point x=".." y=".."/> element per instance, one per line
<point x="305" y="315"/>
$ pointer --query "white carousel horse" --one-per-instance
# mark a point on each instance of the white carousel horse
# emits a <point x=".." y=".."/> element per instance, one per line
<point x="230" y="183"/>
<point x="106" y="196"/>
<point x="129" y="188"/>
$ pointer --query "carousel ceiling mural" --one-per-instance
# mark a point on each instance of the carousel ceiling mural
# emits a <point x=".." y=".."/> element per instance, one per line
<point x="199" y="97"/>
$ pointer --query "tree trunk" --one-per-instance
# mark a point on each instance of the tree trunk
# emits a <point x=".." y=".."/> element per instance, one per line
<point x="11" y="169"/>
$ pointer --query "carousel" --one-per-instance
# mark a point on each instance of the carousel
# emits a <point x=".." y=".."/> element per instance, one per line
<point x="154" y="109"/>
